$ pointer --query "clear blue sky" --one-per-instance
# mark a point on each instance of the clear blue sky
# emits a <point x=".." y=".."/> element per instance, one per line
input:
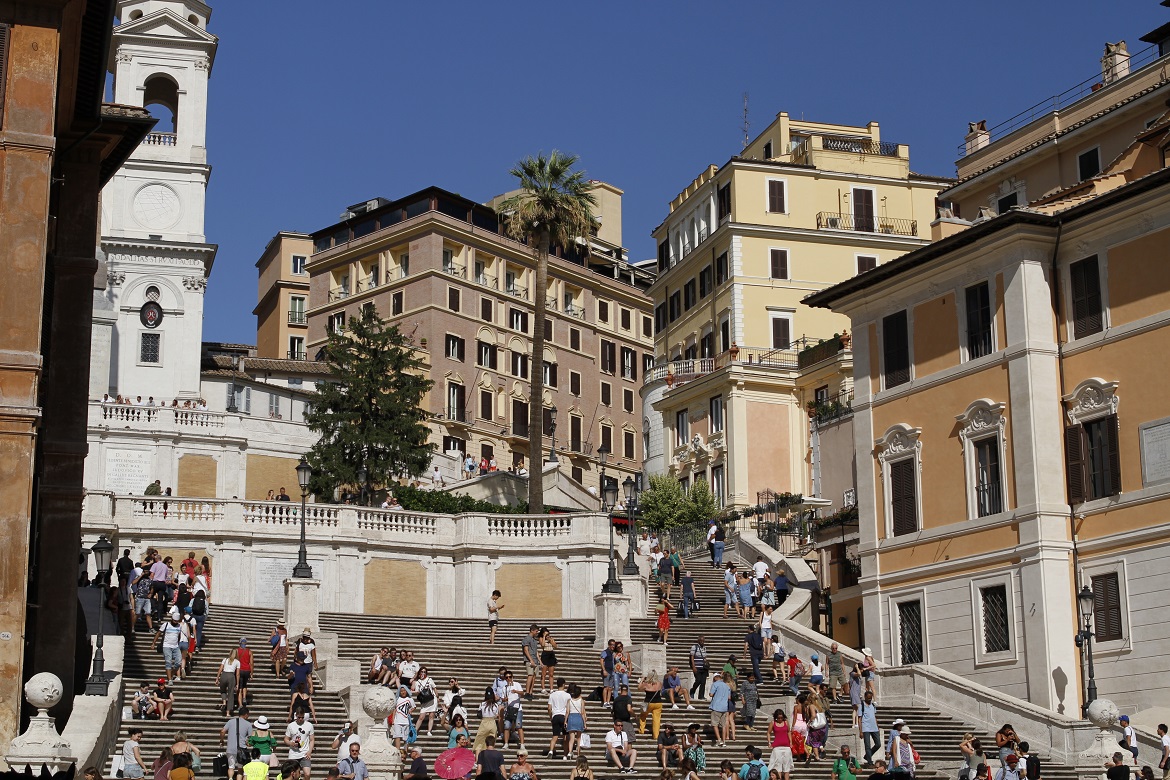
<point x="315" y="106"/>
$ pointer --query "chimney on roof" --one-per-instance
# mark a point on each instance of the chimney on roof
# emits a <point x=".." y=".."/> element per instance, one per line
<point x="1115" y="63"/>
<point x="977" y="136"/>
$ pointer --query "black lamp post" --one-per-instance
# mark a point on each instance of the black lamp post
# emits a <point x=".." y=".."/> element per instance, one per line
<point x="103" y="554"/>
<point x="362" y="474"/>
<point x="608" y="502"/>
<point x="304" y="474"/>
<point x="232" y="408"/>
<point x="630" y="488"/>
<point x="552" y="429"/>
<point x="1085" y="600"/>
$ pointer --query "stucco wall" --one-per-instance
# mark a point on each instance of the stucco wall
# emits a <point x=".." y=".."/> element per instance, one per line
<point x="197" y="475"/>
<point x="530" y="590"/>
<point x="267" y="472"/>
<point x="395" y="587"/>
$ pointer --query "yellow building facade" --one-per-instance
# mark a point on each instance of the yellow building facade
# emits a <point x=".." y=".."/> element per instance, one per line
<point x="804" y="205"/>
<point x="282" y="322"/>
<point x="1011" y="428"/>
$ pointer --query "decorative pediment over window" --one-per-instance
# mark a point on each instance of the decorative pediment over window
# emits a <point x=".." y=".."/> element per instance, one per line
<point x="1091" y="399"/>
<point x="982" y="418"/>
<point x="899" y="441"/>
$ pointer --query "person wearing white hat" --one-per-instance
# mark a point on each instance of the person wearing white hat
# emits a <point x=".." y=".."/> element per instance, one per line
<point x="279" y="642"/>
<point x="263" y="740"/>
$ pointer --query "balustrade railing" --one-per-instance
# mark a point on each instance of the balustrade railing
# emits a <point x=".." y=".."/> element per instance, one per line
<point x="866" y="223"/>
<point x="289" y="513"/>
<point x="195" y="418"/>
<point x="296" y="317"/>
<point x="160" y="139"/>
<point x="518" y="292"/>
<point x="396" y="520"/>
<point x="528" y="526"/>
<point x="844" y="143"/>
<point x="153" y="508"/>
<point x="454" y="269"/>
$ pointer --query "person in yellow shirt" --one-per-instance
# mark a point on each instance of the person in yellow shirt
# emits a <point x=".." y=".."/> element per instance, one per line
<point x="256" y="769"/>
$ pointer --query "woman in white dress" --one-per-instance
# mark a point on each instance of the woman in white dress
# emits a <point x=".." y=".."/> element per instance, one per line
<point x="424" y="692"/>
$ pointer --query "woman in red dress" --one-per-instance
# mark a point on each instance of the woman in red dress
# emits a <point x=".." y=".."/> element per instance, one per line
<point x="664" y="608"/>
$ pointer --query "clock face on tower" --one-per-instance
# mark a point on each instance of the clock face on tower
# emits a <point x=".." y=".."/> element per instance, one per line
<point x="156" y="206"/>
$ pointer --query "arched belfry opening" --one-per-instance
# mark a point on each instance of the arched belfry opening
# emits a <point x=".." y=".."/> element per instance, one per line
<point x="161" y="99"/>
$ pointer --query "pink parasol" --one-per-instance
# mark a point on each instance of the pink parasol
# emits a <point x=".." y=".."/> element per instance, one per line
<point x="454" y="763"/>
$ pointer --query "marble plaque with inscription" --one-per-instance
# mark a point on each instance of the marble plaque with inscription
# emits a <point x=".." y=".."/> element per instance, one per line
<point x="129" y="471"/>
<point x="270" y="576"/>
<point x="1155" y="440"/>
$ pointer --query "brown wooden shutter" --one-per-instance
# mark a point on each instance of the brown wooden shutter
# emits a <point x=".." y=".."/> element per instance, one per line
<point x="1107" y="607"/>
<point x="781" y="333"/>
<point x="1113" y="460"/>
<point x="1074" y="460"/>
<point x="4" y="35"/>
<point x="453" y="299"/>
<point x="896" y="349"/>
<point x="779" y="264"/>
<point x="575" y="383"/>
<point x="903" y="505"/>
<point x="607" y="438"/>
<point x="606" y="393"/>
<point x="485" y="309"/>
<point x="1086" y="295"/>
<point x="776" y="197"/>
<point x="628" y="444"/>
<point x="575" y="433"/>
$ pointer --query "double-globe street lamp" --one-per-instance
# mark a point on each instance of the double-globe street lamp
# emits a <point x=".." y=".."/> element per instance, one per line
<point x="631" y="488"/>
<point x="608" y="502"/>
<point x="103" y="554"/>
<point x="304" y="474"/>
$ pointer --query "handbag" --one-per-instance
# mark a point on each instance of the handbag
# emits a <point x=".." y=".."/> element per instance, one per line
<point x="117" y="764"/>
<point x="819" y="721"/>
<point x="586" y="740"/>
<point x="219" y="765"/>
<point x="196" y="762"/>
<point x="426" y="696"/>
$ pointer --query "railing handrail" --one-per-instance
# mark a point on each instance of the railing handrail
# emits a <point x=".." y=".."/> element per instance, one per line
<point x="837" y="220"/>
<point x="296" y="317"/>
<point x="858" y="144"/>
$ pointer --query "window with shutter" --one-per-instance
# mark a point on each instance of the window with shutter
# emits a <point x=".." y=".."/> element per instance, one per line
<point x="724" y="201"/>
<point x="1074" y="463"/>
<point x="1107" y="607"/>
<point x="903" y="503"/>
<point x="574" y="339"/>
<point x="779" y="263"/>
<point x="896" y="349"/>
<point x="608" y="356"/>
<point x="775" y="196"/>
<point x="607" y="438"/>
<point x="396" y="303"/>
<point x="546" y="422"/>
<point x="1086" y="297"/>
<point x="574" y="383"/>
<point x="628" y="444"/>
<point x="628" y="400"/>
<point x="452" y="299"/>
<point x="606" y="394"/>
<point x="978" y="321"/>
<point x="486" y="309"/>
<point x="721" y="268"/>
<point x="548" y="330"/>
<point x="781" y="333"/>
<point x="485" y="404"/>
<point x="575" y="433"/>
<point x="1102" y="458"/>
<point x="866" y="263"/>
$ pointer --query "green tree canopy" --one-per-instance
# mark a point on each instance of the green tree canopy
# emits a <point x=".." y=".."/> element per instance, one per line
<point x="369" y="414"/>
<point x="700" y="502"/>
<point x="554" y="207"/>
<point x="664" y="505"/>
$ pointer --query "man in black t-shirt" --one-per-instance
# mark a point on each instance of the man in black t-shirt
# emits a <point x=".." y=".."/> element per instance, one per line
<point x="667" y="744"/>
<point x="879" y="771"/>
<point x="1117" y="770"/>
<point x="418" y="767"/>
<point x="623" y="706"/>
<point x="491" y="761"/>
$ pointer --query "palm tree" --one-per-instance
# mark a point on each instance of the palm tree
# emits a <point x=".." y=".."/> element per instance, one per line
<point x="554" y="207"/>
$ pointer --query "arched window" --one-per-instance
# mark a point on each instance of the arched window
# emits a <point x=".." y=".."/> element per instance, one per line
<point x="161" y="99"/>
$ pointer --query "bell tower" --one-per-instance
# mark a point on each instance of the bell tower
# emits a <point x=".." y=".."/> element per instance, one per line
<point x="148" y="322"/>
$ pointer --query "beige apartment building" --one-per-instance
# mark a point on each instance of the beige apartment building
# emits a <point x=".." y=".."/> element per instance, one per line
<point x="282" y="321"/>
<point x="805" y="205"/>
<point x="437" y="265"/>
<point x="1010" y="421"/>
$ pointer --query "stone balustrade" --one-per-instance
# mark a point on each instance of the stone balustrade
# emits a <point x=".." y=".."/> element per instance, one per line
<point x="371" y="560"/>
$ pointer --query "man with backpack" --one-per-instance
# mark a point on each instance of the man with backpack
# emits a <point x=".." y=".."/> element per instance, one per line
<point x="754" y="768"/>
<point x="845" y="767"/>
<point x="1031" y="762"/>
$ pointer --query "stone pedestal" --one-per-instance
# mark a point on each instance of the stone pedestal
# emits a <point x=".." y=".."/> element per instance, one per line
<point x="339" y="673"/>
<point x="649" y="657"/>
<point x="634" y="586"/>
<point x="1103" y="714"/>
<point x="382" y="759"/>
<point x="611" y="618"/>
<point x="40" y="744"/>
<point x="301" y="607"/>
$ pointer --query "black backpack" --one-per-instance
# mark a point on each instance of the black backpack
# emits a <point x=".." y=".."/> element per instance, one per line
<point x="199" y="605"/>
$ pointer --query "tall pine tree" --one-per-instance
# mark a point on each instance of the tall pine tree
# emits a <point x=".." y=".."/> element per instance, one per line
<point x="369" y="413"/>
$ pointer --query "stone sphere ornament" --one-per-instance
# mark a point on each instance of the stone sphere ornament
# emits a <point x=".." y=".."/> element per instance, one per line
<point x="43" y="690"/>
<point x="378" y="702"/>
<point x="1103" y="714"/>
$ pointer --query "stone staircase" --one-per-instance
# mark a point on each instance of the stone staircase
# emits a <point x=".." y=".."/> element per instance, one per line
<point x="457" y="647"/>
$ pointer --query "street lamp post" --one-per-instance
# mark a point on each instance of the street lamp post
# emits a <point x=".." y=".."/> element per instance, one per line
<point x="103" y="554"/>
<point x="1085" y="600"/>
<point x="304" y="474"/>
<point x="630" y="487"/>
<point x="552" y="429"/>
<point x="608" y="502"/>
<point x="362" y="474"/>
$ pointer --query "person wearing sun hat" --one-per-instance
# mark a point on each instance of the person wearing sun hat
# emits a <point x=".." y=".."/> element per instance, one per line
<point x="902" y="753"/>
<point x="279" y="643"/>
<point x="263" y="740"/>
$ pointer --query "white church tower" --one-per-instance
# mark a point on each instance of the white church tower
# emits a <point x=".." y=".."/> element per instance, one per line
<point x="148" y="322"/>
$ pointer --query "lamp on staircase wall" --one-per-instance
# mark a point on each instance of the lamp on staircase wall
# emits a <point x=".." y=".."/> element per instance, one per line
<point x="630" y="487"/>
<point x="608" y="502"/>
<point x="1085" y="600"/>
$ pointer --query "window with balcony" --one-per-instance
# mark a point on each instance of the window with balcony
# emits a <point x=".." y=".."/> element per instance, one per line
<point x="296" y="310"/>
<point x="682" y="428"/>
<point x="690" y="296"/>
<point x="779" y="263"/>
<point x="296" y="347"/>
<point x="606" y="394"/>
<point x="455" y="347"/>
<point x="707" y="345"/>
<point x="724" y="334"/>
<point x="705" y="282"/>
<point x="518" y="320"/>
<point x="629" y="364"/>
<point x="979" y="339"/>
<point x="896" y="349"/>
<point x="716" y="413"/>
<point x="575" y="443"/>
<point x="781" y="331"/>
<point x="574" y="383"/>
<point x="452" y="299"/>
<point x="520" y="365"/>
<point x="298" y="264"/>
<point x="456" y="407"/>
<point x="691" y="352"/>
